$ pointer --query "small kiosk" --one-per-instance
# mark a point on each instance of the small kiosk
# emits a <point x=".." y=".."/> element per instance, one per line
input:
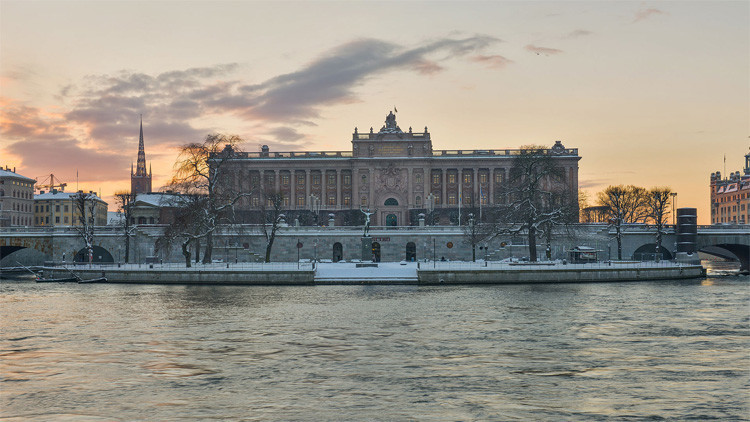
<point x="583" y="255"/>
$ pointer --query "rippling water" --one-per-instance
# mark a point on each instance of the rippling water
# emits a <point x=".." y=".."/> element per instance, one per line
<point x="646" y="350"/>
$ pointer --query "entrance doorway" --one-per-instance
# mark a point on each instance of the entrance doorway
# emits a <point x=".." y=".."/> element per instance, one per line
<point x="411" y="252"/>
<point x="391" y="220"/>
<point x="375" y="252"/>
<point x="338" y="252"/>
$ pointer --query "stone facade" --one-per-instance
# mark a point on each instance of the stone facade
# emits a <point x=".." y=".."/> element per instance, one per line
<point x="730" y="198"/>
<point x="395" y="174"/>
<point x="58" y="208"/>
<point x="16" y="199"/>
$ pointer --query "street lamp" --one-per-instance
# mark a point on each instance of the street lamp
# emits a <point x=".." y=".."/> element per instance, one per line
<point x="673" y="194"/>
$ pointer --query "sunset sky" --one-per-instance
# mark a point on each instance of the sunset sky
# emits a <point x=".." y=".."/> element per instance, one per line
<point x="651" y="93"/>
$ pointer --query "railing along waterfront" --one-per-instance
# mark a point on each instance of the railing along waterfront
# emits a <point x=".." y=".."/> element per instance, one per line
<point x="172" y="266"/>
<point x="548" y="265"/>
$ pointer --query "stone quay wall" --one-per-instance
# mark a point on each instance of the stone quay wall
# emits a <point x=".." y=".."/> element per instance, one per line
<point x="574" y="274"/>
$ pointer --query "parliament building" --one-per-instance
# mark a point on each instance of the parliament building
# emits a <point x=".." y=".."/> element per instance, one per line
<point x="395" y="174"/>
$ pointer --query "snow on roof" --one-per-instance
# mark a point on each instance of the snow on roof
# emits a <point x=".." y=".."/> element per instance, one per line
<point x="61" y="195"/>
<point x="8" y="173"/>
<point x="157" y="199"/>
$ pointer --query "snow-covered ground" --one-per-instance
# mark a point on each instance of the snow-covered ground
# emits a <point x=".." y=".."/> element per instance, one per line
<point x="392" y="271"/>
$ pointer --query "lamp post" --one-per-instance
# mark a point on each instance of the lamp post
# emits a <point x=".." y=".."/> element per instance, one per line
<point x="673" y="194"/>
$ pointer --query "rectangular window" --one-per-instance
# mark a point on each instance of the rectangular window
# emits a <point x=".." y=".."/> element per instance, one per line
<point x="347" y="200"/>
<point x="418" y="201"/>
<point x="270" y="180"/>
<point x="66" y="208"/>
<point x="418" y="178"/>
<point x="66" y="220"/>
<point x="316" y="179"/>
<point x="452" y="178"/>
<point x="437" y="198"/>
<point x="483" y="178"/>
<point x="47" y="206"/>
<point x="483" y="198"/>
<point x="499" y="177"/>
<point x="57" y="209"/>
<point x="363" y="200"/>
<point x="331" y="200"/>
<point x="300" y="201"/>
<point x="254" y="180"/>
<point x="332" y="179"/>
<point x="436" y="178"/>
<point x="286" y="201"/>
<point x="285" y="179"/>
<point x="300" y="180"/>
<point x="255" y="201"/>
<point x="57" y="220"/>
<point x="467" y="177"/>
<point x="36" y="208"/>
<point x="347" y="180"/>
<point x="452" y="199"/>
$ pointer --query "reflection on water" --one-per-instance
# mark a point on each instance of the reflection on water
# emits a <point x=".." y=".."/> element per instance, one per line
<point x="650" y="350"/>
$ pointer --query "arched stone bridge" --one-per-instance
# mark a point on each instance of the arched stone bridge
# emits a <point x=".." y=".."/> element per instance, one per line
<point x="34" y="246"/>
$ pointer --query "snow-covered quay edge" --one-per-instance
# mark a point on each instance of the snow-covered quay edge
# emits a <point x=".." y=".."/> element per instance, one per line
<point x="280" y="274"/>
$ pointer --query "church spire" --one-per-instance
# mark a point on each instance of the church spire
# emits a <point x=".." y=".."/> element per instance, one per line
<point x="140" y="169"/>
<point x="140" y="182"/>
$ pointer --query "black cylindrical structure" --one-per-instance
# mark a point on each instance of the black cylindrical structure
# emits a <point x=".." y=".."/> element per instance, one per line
<point x="687" y="229"/>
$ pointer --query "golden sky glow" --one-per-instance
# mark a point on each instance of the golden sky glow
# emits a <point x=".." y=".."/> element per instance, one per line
<point x="651" y="93"/>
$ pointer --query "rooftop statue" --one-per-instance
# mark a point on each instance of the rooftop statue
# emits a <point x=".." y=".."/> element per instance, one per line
<point x="390" y="124"/>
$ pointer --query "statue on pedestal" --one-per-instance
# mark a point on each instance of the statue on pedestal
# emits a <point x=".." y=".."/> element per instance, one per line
<point x="367" y="220"/>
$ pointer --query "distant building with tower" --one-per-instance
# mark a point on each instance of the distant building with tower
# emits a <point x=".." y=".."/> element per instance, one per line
<point x="140" y="180"/>
<point x="730" y="197"/>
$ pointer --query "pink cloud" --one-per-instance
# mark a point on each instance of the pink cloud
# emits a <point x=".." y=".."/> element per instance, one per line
<point x="542" y="50"/>
<point x="494" y="61"/>
<point x="646" y="13"/>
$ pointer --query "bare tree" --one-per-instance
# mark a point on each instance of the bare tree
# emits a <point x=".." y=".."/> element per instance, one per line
<point x="85" y="204"/>
<point x="204" y="170"/>
<point x="625" y="204"/>
<point x="125" y="201"/>
<point x="657" y="203"/>
<point x="536" y="197"/>
<point x="187" y="226"/>
<point x="272" y="202"/>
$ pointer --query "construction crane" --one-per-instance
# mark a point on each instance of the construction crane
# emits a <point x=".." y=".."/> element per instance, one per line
<point x="51" y="185"/>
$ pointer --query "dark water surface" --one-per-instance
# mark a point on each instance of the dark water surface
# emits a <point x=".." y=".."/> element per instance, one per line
<point x="609" y="351"/>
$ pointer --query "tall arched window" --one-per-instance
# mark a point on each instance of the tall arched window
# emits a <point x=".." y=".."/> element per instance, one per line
<point x="391" y="202"/>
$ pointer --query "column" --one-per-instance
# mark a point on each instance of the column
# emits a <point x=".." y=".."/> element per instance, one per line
<point x="475" y="186"/>
<point x="491" y="193"/>
<point x="307" y="187"/>
<point x="371" y="199"/>
<point x="324" y="189"/>
<point x="355" y="189"/>
<point x="276" y="176"/>
<point x="427" y="182"/>
<point x="460" y="181"/>
<point x="293" y="181"/>
<point x="338" y="188"/>
<point x="444" y="181"/>
<point x="410" y="188"/>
